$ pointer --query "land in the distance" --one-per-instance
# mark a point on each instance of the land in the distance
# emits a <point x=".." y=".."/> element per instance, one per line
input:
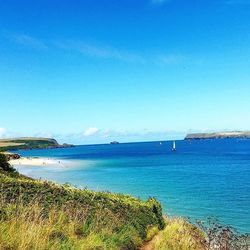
<point x="218" y="135"/>
<point x="30" y="143"/>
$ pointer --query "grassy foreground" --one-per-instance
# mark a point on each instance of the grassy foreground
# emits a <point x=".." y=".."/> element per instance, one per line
<point x="43" y="215"/>
<point x="67" y="218"/>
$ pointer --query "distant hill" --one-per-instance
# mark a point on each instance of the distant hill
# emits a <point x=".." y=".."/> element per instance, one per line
<point x="29" y="143"/>
<point x="218" y="135"/>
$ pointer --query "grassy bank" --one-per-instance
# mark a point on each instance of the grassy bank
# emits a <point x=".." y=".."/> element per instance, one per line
<point x="43" y="215"/>
<point x="178" y="235"/>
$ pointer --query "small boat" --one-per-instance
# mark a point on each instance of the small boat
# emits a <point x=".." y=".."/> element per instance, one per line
<point x="174" y="146"/>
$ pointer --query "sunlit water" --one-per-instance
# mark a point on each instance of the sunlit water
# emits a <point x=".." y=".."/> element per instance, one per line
<point x="201" y="179"/>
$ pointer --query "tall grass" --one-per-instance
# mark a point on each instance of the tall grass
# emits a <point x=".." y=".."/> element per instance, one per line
<point x="42" y="215"/>
<point x="31" y="227"/>
<point x="180" y="235"/>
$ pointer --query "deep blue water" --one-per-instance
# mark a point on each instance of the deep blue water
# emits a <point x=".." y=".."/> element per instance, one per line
<point x="202" y="178"/>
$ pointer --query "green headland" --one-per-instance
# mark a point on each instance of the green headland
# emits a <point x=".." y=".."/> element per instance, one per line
<point x="30" y="143"/>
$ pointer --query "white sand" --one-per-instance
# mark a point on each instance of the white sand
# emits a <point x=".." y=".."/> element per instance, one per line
<point x="36" y="161"/>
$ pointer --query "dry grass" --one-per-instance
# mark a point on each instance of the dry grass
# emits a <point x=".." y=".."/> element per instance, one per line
<point x="29" y="142"/>
<point x="29" y="227"/>
<point x="179" y="235"/>
<point x="26" y="138"/>
<point x="10" y="144"/>
<point x="42" y="215"/>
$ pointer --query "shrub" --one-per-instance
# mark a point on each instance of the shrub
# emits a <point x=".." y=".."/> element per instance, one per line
<point x="4" y="165"/>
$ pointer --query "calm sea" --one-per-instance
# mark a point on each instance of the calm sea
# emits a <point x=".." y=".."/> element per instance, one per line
<point x="202" y="178"/>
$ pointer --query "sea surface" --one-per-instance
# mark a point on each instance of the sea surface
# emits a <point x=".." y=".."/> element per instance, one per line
<point x="202" y="178"/>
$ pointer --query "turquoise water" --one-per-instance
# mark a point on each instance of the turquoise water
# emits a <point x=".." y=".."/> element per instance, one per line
<point x="201" y="179"/>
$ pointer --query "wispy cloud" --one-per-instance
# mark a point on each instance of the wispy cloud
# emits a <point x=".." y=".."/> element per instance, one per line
<point x="27" y="40"/>
<point x="98" y="51"/>
<point x="108" y="52"/>
<point x="95" y="50"/>
<point x="90" y="131"/>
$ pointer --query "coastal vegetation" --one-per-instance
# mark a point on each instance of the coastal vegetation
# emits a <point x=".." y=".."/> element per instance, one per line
<point x="30" y="143"/>
<point x="4" y="164"/>
<point x="43" y="215"/>
<point x="179" y="234"/>
<point x="218" y="135"/>
<point x="26" y="143"/>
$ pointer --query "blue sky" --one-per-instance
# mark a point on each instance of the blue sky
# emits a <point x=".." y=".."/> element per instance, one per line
<point x="93" y="71"/>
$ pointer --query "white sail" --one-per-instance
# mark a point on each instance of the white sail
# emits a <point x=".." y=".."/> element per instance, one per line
<point x="174" y="147"/>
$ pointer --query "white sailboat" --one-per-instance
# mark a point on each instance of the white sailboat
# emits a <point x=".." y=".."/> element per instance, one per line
<point x="174" y="146"/>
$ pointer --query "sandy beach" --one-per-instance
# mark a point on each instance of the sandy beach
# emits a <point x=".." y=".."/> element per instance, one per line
<point x="36" y="161"/>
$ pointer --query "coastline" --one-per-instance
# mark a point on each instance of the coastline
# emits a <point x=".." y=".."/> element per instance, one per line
<point x="37" y="161"/>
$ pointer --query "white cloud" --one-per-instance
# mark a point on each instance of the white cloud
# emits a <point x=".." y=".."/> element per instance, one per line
<point x="90" y="131"/>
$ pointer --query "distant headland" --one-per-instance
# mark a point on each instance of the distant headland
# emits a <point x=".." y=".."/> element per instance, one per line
<point x="30" y="143"/>
<point x="114" y="142"/>
<point x="218" y="135"/>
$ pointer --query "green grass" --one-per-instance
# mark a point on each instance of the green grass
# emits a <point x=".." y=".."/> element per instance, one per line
<point x="26" y="142"/>
<point x="43" y="215"/>
<point x="27" y="227"/>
